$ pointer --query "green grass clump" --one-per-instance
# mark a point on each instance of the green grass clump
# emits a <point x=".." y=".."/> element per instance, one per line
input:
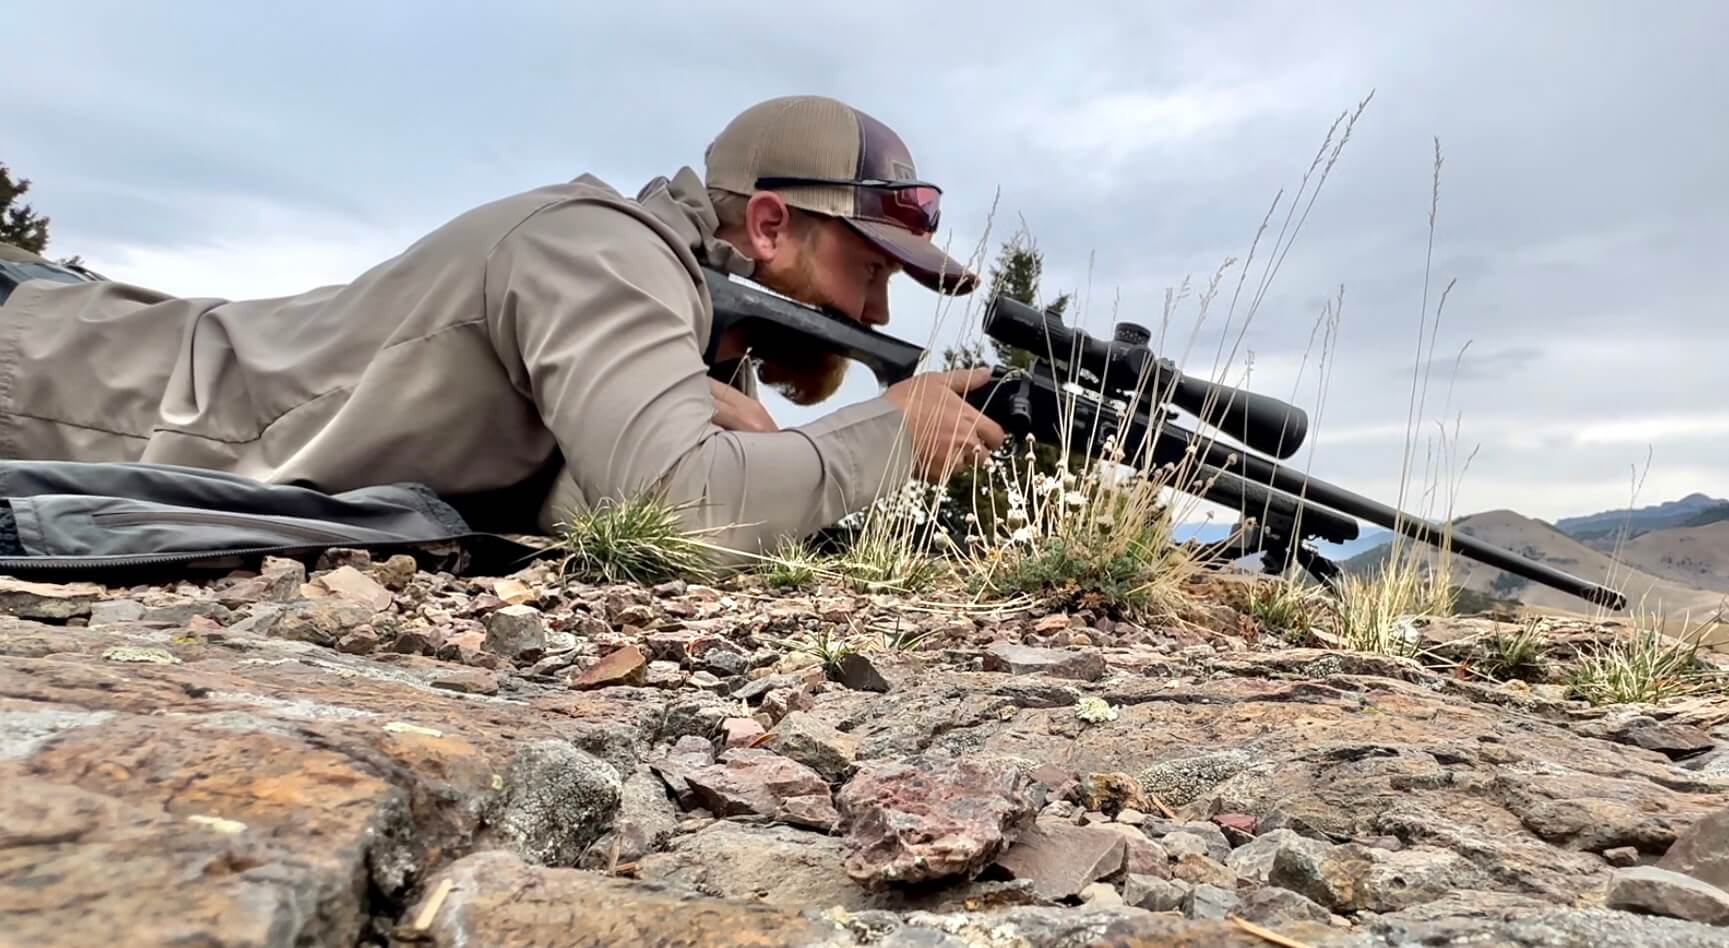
<point x="1507" y="656"/>
<point x="794" y="565"/>
<point x="1069" y="574"/>
<point x="1286" y="608"/>
<point x="638" y="540"/>
<point x="1646" y="667"/>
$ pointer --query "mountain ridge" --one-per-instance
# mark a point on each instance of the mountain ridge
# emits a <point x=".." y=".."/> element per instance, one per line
<point x="1639" y="520"/>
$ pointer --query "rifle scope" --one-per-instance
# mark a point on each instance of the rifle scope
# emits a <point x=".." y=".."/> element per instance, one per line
<point x="1126" y="364"/>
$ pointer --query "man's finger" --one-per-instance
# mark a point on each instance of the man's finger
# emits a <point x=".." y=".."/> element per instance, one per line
<point x="736" y="411"/>
<point x="963" y="381"/>
<point x="991" y="433"/>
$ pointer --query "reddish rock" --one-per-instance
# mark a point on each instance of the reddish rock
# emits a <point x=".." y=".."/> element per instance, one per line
<point x="1051" y="623"/>
<point x="351" y="585"/>
<point x="474" y="681"/>
<point x="625" y="666"/>
<point x="813" y="810"/>
<point x="690" y="755"/>
<point x="747" y="782"/>
<point x="1061" y="858"/>
<point x="417" y="640"/>
<point x="1087" y="665"/>
<point x="670" y="645"/>
<point x="1241" y="822"/>
<point x="468" y="646"/>
<point x="278" y="580"/>
<point x="931" y="818"/>
<point x="516" y="633"/>
<point x="811" y="741"/>
<point x="1142" y="856"/>
<point x="741" y="732"/>
<point x="1702" y="850"/>
<point x="779" y="702"/>
<point x="360" y="641"/>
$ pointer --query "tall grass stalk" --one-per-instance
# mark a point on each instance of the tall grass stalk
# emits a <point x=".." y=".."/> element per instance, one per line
<point x="1414" y="581"/>
<point x="1102" y="526"/>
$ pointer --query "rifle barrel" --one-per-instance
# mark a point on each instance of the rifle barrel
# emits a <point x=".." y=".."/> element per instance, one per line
<point x="1318" y="494"/>
<point x="1268" y="506"/>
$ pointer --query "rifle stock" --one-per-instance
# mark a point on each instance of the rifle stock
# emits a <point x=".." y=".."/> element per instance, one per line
<point x="736" y="305"/>
<point x="1288" y="508"/>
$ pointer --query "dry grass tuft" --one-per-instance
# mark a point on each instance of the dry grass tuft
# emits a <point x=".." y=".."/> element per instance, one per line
<point x="1088" y="537"/>
<point x="1646" y="667"/>
<point x="1290" y="609"/>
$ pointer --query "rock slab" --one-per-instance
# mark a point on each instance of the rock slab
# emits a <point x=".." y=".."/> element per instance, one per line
<point x="1702" y="850"/>
<point x="1083" y="665"/>
<point x="1061" y="859"/>
<point x="931" y="818"/>
<point x="1655" y="891"/>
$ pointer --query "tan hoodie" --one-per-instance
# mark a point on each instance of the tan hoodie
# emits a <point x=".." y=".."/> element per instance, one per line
<point x="555" y="332"/>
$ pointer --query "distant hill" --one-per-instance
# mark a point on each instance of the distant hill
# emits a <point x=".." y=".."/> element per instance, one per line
<point x="1671" y="557"/>
<point x="1717" y="514"/>
<point x="1664" y="569"/>
<point x="1692" y="510"/>
<point x="1694" y="555"/>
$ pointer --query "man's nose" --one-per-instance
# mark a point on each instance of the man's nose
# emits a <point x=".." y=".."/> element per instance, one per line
<point x="876" y="309"/>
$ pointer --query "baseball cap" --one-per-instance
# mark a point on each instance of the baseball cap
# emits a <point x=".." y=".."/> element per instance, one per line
<point x="824" y="156"/>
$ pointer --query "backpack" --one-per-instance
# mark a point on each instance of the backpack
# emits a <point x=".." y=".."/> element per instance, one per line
<point x="121" y="523"/>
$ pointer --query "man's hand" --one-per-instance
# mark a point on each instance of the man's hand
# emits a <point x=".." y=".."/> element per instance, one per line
<point x="736" y="411"/>
<point x="947" y="432"/>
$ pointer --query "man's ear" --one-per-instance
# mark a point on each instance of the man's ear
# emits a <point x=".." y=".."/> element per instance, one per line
<point x="768" y="225"/>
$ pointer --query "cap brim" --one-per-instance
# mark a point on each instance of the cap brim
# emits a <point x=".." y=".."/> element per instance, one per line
<point x="923" y="260"/>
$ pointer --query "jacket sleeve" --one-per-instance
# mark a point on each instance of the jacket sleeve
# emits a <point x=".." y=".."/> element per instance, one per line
<point x="602" y="325"/>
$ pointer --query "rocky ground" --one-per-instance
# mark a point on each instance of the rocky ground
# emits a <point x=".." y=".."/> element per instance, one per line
<point x="369" y="755"/>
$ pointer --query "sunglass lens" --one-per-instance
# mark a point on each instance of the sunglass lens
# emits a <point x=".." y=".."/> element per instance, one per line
<point x="917" y="208"/>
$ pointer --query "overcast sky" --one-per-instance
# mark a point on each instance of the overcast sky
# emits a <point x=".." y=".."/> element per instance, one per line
<point x="238" y="150"/>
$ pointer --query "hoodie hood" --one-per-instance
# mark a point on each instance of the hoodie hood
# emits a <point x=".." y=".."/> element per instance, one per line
<point x="681" y="203"/>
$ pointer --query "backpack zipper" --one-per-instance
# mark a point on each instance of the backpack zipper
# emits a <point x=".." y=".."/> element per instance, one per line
<point x="136" y="518"/>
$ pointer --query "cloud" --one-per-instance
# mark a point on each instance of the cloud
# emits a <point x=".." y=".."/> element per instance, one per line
<point x="1468" y="367"/>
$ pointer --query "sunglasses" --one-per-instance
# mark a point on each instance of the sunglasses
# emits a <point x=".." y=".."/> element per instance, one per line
<point x="914" y="205"/>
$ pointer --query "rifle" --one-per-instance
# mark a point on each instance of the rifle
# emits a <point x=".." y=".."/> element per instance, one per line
<point x="1098" y="405"/>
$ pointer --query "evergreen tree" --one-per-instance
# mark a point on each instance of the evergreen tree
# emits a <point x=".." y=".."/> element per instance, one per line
<point x="20" y="225"/>
<point x="1016" y="274"/>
